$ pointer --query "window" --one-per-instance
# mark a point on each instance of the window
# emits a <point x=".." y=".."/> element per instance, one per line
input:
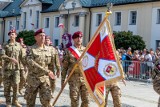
<point x="30" y="12"/>
<point x="98" y="19"/>
<point x="10" y="25"/>
<point x="37" y="19"/>
<point x="17" y="25"/>
<point x="158" y="16"/>
<point x="76" y="20"/>
<point x="56" y="42"/>
<point x="56" y="21"/>
<point x="133" y="17"/>
<point x="118" y="18"/>
<point x="46" y="22"/>
<point x="24" y="20"/>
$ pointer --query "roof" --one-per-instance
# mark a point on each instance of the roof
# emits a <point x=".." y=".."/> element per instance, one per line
<point x="3" y="4"/>
<point x="13" y="9"/>
<point x="53" y="5"/>
<point x="47" y="1"/>
<point x="97" y="3"/>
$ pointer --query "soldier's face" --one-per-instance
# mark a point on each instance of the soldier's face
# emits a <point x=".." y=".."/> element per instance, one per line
<point x="78" y="40"/>
<point x="40" y="38"/>
<point x="47" y="41"/>
<point x="13" y="36"/>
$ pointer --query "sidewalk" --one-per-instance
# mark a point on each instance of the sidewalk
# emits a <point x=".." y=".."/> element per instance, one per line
<point x="135" y="94"/>
<point x="139" y="94"/>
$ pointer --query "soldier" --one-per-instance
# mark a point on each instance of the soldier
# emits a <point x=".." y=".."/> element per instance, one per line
<point x="39" y="59"/>
<point x="22" y="70"/>
<point x="115" y="91"/>
<point x="56" y="62"/>
<point x="11" y="76"/>
<point x="116" y="94"/>
<point x="155" y="73"/>
<point x="76" y="82"/>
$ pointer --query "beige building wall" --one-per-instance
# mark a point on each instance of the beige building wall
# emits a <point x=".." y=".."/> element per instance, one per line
<point x="143" y="25"/>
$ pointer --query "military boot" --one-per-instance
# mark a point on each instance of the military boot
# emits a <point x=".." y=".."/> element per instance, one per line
<point x="16" y="103"/>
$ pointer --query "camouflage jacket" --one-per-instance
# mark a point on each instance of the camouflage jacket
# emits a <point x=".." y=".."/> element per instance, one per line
<point x="156" y="71"/>
<point x="11" y="51"/>
<point x="40" y="61"/>
<point x="68" y="62"/>
<point x="56" y="60"/>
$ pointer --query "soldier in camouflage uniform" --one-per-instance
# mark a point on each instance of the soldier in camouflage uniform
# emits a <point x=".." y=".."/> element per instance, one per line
<point x="11" y="76"/>
<point x="39" y="59"/>
<point x="56" y="61"/>
<point x="115" y="91"/>
<point x="116" y="94"/>
<point x="156" y="77"/>
<point x="76" y="82"/>
<point x="23" y="71"/>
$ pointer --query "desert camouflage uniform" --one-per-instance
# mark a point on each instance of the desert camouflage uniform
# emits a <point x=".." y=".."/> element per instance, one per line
<point x="156" y="78"/>
<point x="39" y="60"/>
<point x="116" y="94"/>
<point x="57" y="65"/>
<point x="76" y="82"/>
<point x="22" y="73"/>
<point x="11" y="75"/>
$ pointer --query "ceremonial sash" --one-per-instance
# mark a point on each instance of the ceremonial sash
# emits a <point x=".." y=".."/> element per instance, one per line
<point x="74" y="52"/>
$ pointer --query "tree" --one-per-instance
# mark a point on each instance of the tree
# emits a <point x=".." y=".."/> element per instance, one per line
<point x="127" y="39"/>
<point x="28" y="37"/>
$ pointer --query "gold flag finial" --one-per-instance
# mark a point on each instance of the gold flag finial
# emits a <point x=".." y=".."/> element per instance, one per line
<point x="109" y="6"/>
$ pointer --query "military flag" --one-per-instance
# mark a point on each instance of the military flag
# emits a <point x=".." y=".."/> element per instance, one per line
<point x="100" y="63"/>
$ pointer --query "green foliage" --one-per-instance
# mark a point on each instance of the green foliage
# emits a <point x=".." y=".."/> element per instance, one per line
<point x="127" y="39"/>
<point x="28" y="37"/>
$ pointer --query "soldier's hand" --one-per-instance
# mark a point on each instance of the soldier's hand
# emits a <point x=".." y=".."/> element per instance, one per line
<point x="58" y="74"/>
<point x="14" y="60"/>
<point x="124" y="82"/>
<point x="51" y="75"/>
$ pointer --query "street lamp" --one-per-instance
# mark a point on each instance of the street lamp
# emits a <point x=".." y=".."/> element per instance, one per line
<point x="73" y="7"/>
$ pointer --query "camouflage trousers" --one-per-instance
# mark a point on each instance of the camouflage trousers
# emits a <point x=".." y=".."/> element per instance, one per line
<point x="22" y="79"/>
<point x="53" y="84"/>
<point x="116" y="95"/>
<point x="11" y="78"/>
<point x="1" y="76"/>
<point x="31" y="92"/>
<point x="156" y="86"/>
<point x="78" y="88"/>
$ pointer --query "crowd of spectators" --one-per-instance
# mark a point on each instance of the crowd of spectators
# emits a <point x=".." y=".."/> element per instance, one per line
<point x="140" y="63"/>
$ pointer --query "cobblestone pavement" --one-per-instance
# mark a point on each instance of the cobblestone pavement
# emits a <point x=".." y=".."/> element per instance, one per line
<point x="129" y="98"/>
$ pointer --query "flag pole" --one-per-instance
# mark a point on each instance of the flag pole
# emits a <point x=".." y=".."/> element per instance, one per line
<point x="74" y="67"/>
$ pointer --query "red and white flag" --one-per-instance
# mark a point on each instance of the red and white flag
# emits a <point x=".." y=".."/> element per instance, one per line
<point x="61" y="25"/>
<point x="100" y="64"/>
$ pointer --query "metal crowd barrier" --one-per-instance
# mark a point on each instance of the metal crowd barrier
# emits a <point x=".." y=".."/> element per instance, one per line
<point x="137" y="69"/>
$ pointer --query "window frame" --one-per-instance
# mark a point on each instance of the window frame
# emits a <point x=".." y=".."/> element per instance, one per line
<point x="76" y="20"/>
<point x="47" y="19"/>
<point x="118" y="20"/>
<point x="98" y="19"/>
<point x="133" y="18"/>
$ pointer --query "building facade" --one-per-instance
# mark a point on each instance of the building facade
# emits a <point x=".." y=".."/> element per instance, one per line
<point x="142" y="17"/>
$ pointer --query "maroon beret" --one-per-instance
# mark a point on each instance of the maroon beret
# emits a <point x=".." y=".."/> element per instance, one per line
<point x="77" y="34"/>
<point x="12" y="31"/>
<point x="47" y="37"/>
<point x="39" y="31"/>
